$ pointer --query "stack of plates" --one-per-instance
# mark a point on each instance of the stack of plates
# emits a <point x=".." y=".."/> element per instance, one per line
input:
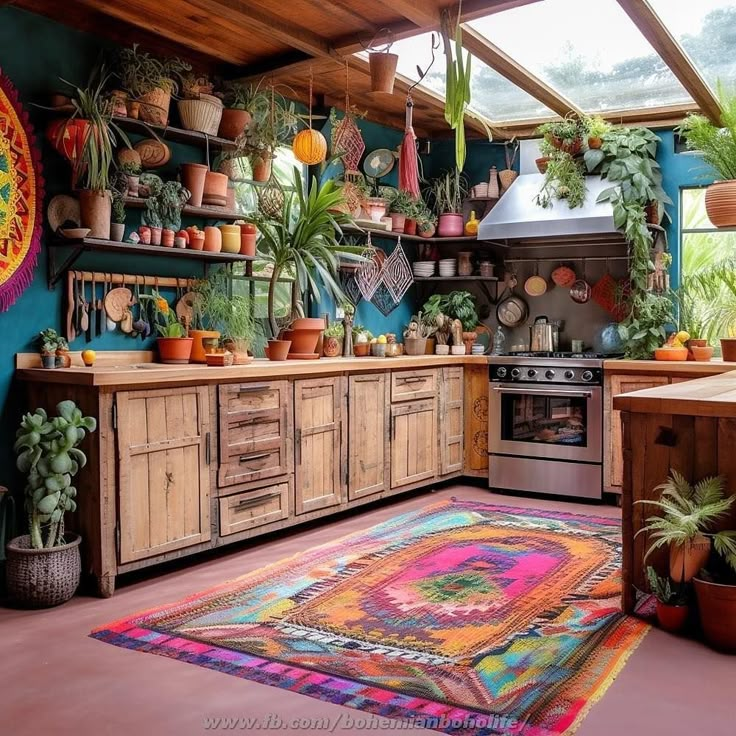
<point x="423" y="269"/>
<point x="448" y="267"/>
<point x="477" y="349"/>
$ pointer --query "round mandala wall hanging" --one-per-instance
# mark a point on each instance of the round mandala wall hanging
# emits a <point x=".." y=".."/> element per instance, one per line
<point x="21" y="197"/>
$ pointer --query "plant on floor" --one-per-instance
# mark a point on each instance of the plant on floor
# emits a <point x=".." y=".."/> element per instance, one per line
<point x="672" y="602"/>
<point x="49" y="457"/>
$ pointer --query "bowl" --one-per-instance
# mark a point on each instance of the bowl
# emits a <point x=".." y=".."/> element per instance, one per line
<point x="670" y="354"/>
<point x="378" y="349"/>
<point x="393" y="350"/>
<point x="75" y="233"/>
<point x="702" y="353"/>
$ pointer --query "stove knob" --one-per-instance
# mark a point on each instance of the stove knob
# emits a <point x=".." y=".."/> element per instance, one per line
<point x="587" y="375"/>
<point x="550" y="375"/>
<point x="515" y="373"/>
<point x="569" y="375"/>
<point x="531" y="373"/>
<point x="501" y="372"/>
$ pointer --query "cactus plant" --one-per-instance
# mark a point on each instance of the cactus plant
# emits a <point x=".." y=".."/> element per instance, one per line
<point x="48" y="454"/>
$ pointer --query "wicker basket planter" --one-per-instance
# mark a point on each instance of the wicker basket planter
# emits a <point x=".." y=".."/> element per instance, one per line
<point x="203" y="114"/>
<point x="40" y="578"/>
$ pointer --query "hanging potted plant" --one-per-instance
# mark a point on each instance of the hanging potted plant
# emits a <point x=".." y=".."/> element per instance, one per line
<point x="672" y="605"/>
<point x="151" y="82"/>
<point x="117" y="224"/>
<point x="242" y="102"/>
<point x="382" y="65"/>
<point x="199" y="109"/>
<point x="43" y="567"/>
<point x="174" y="346"/>
<point x="567" y="135"/>
<point x="448" y="192"/>
<point x="717" y="145"/>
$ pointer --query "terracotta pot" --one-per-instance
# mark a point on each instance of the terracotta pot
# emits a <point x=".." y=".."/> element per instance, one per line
<point x="450" y="225"/>
<point x="702" y="353"/>
<point x="156" y="233"/>
<point x="542" y="164"/>
<point x="212" y="239"/>
<point x="62" y="358"/>
<point x="672" y="618"/>
<point x="728" y="349"/>
<point x="362" y="349"/>
<point x="430" y="346"/>
<point x="192" y="178"/>
<point x="397" y="222"/>
<point x="332" y="347"/>
<point x="133" y="182"/>
<point x="215" y="188"/>
<point x="154" y="106"/>
<point x="717" y="606"/>
<point x="133" y="108"/>
<point x="410" y="226"/>
<point x="720" y="203"/>
<point x="261" y="166"/>
<point x="167" y="237"/>
<point x="230" y="238"/>
<point x="144" y="233"/>
<point x="468" y="340"/>
<point x="692" y="343"/>
<point x="652" y="213"/>
<point x="248" y="244"/>
<point x="95" y="209"/>
<point x="426" y="231"/>
<point x="198" y="352"/>
<point x="595" y="141"/>
<point x="278" y="349"/>
<point x="415" y="345"/>
<point x="572" y="148"/>
<point x="383" y="71"/>
<point x="196" y="240"/>
<point x="305" y="333"/>
<point x="174" y="349"/>
<point x="687" y="560"/>
<point x="233" y="123"/>
<point x="117" y="231"/>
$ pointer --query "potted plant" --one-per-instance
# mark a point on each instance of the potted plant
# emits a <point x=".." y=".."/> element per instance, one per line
<point x="174" y="346"/>
<point x="129" y="164"/>
<point x="401" y="206"/>
<point x="426" y="222"/>
<point x="117" y="217"/>
<point x="199" y="109"/>
<point x="415" y="337"/>
<point x="382" y="66"/>
<point x="48" y="342"/>
<point x="361" y="341"/>
<point x="151" y="82"/>
<point x="461" y="305"/>
<point x="43" y="567"/>
<point x="672" y="605"/>
<point x="688" y="515"/>
<point x="566" y="135"/>
<point x="564" y="178"/>
<point x="448" y="192"/>
<point x="303" y="243"/>
<point x="718" y="148"/>
<point x="242" y="103"/>
<point x="596" y="127"/>
<point x="171" y="198"/>
<point x="332" y="344"/>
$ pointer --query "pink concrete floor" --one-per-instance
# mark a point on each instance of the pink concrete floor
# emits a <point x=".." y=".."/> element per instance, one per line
<point x="58" y="681"/>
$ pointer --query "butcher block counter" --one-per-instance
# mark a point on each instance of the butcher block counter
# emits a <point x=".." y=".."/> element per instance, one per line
<point x="689" y="427"/>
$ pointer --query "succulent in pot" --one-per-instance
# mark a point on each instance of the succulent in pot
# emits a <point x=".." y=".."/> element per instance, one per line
<point x="401" y="206"/>
<point x="333" y="340"/>
<point x="49" y="343"/>
<point x="132" y="171"/>
<point x="43" y="567"/>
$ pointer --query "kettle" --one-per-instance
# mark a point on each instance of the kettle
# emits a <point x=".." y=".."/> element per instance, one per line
<point x="541" y="335"/>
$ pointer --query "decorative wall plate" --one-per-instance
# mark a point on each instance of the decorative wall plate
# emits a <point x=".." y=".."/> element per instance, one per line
<point x="61" y="211"/>
<point x="379" y="163"/>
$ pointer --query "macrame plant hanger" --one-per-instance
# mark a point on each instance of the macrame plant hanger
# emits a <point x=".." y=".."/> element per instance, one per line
<point x="347" y="138"/>
<point x="271" y="196"/>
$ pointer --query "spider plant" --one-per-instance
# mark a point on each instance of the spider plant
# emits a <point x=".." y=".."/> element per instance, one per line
<point x="306" y="246"/>
<point x="141" y="73"/>
<point x="448" y="191"/>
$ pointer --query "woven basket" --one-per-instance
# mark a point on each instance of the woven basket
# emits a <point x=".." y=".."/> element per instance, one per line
<point x="154" y="106"/>
<point x="507" y="177"/>
<point x="39" y="578"/>
<point x="203" y="114"/>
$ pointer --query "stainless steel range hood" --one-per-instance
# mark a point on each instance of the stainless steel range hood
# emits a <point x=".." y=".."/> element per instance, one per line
<point x="517" y="217"/>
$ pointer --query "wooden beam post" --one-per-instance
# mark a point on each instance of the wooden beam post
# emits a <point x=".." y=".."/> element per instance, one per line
<point x="658" y="35"/>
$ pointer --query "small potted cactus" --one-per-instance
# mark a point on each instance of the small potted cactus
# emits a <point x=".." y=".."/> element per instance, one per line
<point x="43" y="567"/>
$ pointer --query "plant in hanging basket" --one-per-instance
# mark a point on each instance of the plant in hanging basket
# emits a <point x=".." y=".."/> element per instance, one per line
<point x="382" y="66"/>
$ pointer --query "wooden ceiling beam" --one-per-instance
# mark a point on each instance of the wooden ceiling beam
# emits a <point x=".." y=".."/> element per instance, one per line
<point x="415" y="11"/>
<point x="664" y="43"/>
<point x="497" y="59"/>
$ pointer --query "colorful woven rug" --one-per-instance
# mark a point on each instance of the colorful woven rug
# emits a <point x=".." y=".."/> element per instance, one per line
<point x="463" y="617"/>
<point x="21" y="196"/>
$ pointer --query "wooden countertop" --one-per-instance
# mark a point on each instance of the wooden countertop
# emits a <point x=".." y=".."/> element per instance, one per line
<point x="668" y="367"/>
<point x="714" y="396"/>
<point x="126" y="374"/>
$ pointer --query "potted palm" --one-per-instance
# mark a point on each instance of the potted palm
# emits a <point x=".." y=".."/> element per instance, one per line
<point x="448" y="192"/>
<point x="718" y="148"/>
<point x="43" y="567"/>
<point x="689" y="513"/>
<point x="174" y="346"/>
<point x="303" y="244"/>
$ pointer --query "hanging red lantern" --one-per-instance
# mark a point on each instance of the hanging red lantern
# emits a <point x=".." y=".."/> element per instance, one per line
<point x="309" y="146"/>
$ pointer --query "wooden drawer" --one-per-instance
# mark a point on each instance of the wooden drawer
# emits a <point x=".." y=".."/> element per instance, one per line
<point x="243" y="511"/>
<point x="408" y="385"/>
<point x="255" y="432"/>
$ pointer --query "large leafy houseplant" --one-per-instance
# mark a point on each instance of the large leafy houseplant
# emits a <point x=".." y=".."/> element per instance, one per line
<point x="303" y="243"/>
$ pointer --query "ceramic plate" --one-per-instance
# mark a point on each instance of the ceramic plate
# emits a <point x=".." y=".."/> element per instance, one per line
<point x="62" y="210"/>
<point x="379" y="163"/>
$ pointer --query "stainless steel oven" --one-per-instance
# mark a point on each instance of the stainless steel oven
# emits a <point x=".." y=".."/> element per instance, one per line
<point x="546" y="426"/>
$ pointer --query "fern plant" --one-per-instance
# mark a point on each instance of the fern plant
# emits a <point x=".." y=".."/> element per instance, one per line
<point x="689" y="511"/>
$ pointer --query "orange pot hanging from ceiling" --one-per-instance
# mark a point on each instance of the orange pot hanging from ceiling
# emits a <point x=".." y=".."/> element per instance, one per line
<point x="309" y="146"/>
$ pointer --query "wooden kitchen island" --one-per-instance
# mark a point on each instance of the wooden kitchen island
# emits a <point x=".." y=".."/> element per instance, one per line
<point x="189" y="458"/>
<point x="689" y="427"/>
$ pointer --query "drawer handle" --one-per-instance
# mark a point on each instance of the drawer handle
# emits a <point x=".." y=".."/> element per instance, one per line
<point x="248" y="502"/>
<point x="251" y="389"/>
<point x="258" y="420"/>
<point x="260" y="456"/>
<point x="417" y="379"/>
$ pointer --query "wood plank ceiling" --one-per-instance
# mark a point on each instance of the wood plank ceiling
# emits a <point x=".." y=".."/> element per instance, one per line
<point x="253" y="39"/>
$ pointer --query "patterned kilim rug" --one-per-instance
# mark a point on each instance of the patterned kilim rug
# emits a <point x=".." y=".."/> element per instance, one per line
<point x="463" y="617"/>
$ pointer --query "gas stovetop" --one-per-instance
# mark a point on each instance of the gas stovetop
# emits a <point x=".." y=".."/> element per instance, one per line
<point x="558" y="355"/>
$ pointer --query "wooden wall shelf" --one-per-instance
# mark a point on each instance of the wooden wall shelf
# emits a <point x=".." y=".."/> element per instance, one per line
<point x="208" y="213"/>
<point x="82" y="245"/>
<point x="390" y="235"/>
<point x="178" y="135"/>
<point x="455" y="278"/>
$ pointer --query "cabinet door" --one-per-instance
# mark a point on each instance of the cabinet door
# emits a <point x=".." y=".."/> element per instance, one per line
<point x="451" y="421"/>
<point x="368" y="428"/>
<point x="163" y="449"/>
<point x="255" y="432"/>
<point x="613" y="461"/>
<point x="413" y="442"/>
<point x="318" y="442"/>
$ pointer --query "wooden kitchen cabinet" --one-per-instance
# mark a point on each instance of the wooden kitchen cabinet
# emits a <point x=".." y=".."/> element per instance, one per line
<point x="451" y="421"/>
<point x="369" y="417"/>
<point x="413" y="442"/>
<point x="163" y="456"/>
<point x="319" y="450"/>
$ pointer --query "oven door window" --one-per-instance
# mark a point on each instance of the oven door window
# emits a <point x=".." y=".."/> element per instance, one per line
<point x="544" y="419"/>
